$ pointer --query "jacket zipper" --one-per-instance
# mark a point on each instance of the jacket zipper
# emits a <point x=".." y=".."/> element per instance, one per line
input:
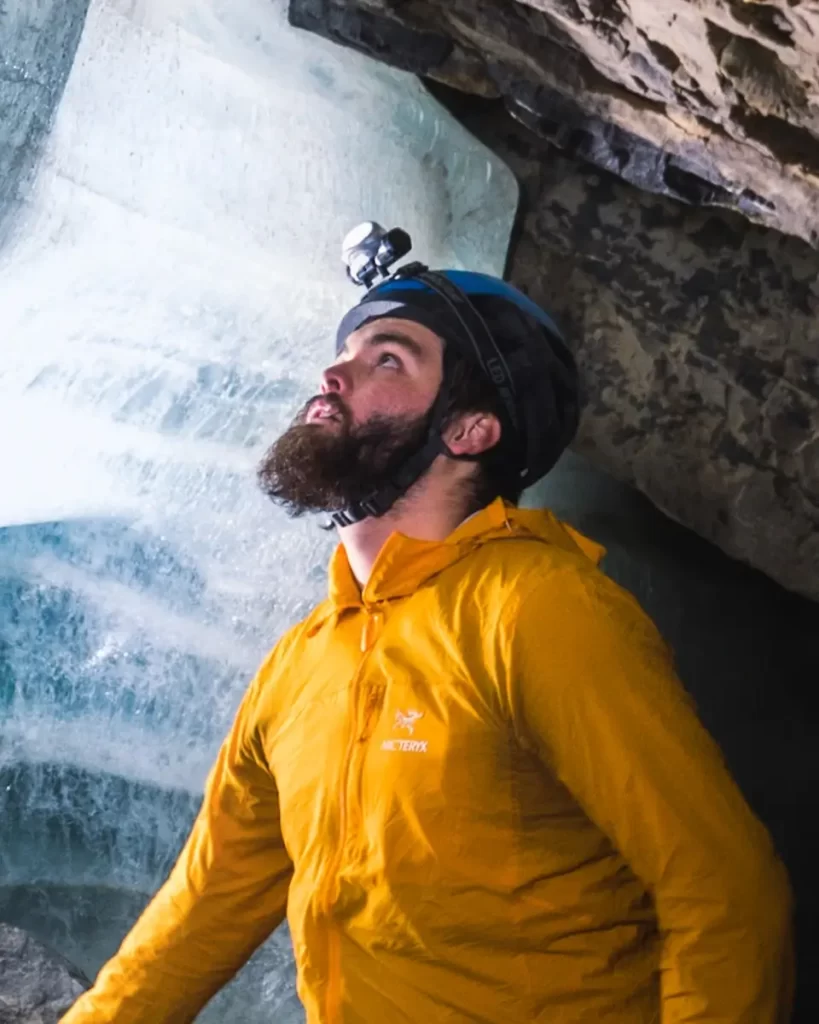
<point x="372" y="705"/>
<point x="333" y="998"/>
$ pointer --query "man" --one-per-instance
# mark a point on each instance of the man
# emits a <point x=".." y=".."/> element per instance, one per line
<point x="469" y="777"/>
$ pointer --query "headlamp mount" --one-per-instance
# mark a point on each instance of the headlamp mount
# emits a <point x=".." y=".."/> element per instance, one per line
<point x="369" y="251"/>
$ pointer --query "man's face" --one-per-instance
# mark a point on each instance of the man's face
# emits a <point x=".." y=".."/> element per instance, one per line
<point x="371" y="415"/>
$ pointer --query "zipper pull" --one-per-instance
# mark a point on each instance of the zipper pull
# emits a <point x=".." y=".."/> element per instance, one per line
<point x="370" y="630"/>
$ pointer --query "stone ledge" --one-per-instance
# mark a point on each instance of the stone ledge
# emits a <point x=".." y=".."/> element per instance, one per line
<point x="714" y="103"/>
<point x="37" y="986"/>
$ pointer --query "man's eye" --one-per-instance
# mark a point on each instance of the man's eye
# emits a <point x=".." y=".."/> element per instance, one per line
<point x="388" y="359"/>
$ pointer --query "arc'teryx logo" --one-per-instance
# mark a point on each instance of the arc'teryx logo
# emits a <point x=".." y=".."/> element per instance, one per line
<point x="406" y="720"/>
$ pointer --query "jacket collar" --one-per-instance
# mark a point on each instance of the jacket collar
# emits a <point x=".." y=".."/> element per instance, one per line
<point x="405" y="563"/>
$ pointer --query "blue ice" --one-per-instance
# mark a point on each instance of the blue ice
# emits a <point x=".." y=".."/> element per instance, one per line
<point x="170" y="278"/>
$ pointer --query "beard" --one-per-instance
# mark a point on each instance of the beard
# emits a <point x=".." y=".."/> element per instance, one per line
<point x="316" y="468"/>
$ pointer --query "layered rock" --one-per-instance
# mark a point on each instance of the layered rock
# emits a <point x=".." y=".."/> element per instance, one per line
<point x="709" y="101"/>
<point x="36" y="985"/>
<point x="698" y="339"/>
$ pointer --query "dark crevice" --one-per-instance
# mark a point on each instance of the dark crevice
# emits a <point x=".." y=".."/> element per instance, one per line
<point x="718" y="38"/>
<point x="756" y="201"/>
<point x="664" y="55"/>
<point x="694" y="189"/>
<point x="375" y="35"/>
<point x="789" y="144"/>
<point x="697" y="97"/>
<point x="605" y="10"/>
<point x="562" y="121"/>
<point x="768" y="21"/>
<point x="758" y="72"/>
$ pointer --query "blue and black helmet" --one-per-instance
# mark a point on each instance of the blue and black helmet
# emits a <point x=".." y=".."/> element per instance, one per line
<point x="516" y="344"/>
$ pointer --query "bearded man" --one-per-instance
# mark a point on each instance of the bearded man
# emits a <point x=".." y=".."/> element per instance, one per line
<point x="470" y="777"/>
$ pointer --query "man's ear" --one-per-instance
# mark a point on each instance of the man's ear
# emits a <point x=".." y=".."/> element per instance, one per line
<point x="472" y="433"/>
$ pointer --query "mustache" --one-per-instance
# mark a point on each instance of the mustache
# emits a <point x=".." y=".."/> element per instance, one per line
<point x="332" y="400"/>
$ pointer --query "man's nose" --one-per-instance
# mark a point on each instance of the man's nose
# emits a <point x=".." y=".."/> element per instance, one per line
<point x="335" y="379"/>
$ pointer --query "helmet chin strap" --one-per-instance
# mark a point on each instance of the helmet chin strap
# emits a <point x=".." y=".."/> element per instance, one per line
<point x="382" y="500"/>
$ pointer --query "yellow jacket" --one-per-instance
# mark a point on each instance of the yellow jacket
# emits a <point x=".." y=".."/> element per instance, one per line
<point x="481" y="795"/>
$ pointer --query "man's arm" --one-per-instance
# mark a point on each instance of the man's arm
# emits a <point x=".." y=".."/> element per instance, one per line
<point x="590" y="685"/>
<point x="225" y="895"/>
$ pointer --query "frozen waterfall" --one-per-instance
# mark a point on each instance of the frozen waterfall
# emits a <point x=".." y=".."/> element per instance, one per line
<point x="177" y="179"/>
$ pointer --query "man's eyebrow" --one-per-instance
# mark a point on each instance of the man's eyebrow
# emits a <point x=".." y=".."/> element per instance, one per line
<point x="393" y="338"/>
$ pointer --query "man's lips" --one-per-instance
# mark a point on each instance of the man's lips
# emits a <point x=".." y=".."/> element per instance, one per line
<point x="322" y="410"/>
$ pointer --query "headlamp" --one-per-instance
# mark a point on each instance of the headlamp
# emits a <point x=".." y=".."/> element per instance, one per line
<point x="369" y="251"/>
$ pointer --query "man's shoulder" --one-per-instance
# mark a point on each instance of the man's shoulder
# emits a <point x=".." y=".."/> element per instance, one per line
<point x="501" y="575"/>
<point x="523" y="558"/>
<point x="294" y="635"/>
<point x="532" y="578"/>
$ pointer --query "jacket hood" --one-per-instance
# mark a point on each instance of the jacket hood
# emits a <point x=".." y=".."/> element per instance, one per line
<point x="404" y="563"/>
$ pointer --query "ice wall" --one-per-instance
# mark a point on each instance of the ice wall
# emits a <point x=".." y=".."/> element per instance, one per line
<point x="168" y="289"/>
<point x="176" y="177"/>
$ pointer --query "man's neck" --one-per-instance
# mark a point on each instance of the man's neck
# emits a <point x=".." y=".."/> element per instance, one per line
<point x="414" y="516"/>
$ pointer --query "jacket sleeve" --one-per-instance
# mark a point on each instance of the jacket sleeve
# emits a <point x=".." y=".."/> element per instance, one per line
<point x="225" y="895"/>
<point x="590" y="685"/>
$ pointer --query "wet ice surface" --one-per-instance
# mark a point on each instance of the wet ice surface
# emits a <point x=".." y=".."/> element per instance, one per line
<point x="169" y="284"/>
<point x="81" y="854"/>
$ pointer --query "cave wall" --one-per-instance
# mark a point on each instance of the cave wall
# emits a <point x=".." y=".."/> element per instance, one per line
<point x="708" y="101"/>
<point x="698" y="340"/>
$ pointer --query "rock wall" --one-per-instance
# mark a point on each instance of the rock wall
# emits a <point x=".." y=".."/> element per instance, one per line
<point x="36" y="985"/>
<point x="698" y="338"/>
<point x="710" y="101"/>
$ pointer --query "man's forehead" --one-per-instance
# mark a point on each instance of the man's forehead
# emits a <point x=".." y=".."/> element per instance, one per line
<point x="414" y="336"/>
